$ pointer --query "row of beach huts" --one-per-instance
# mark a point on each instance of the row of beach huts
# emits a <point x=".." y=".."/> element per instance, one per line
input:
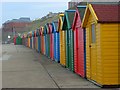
<point x="84" y="40"/>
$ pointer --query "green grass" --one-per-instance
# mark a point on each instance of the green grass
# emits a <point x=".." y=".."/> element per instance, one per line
<point x="40" y="22"/>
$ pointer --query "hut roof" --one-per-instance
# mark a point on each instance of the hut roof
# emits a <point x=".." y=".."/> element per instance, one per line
<point x="102" y="13"/>
<point x="106" y="13"/>
<point x="81" y="10"/>
<point x="68" y="19"/>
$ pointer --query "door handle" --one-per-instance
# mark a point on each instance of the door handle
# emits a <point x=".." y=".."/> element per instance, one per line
<point x="89" y="45"/>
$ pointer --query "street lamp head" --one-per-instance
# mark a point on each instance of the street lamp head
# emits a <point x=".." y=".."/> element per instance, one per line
<point x="8" y="36"/>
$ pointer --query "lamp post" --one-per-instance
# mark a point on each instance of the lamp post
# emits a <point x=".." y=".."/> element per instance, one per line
<point x="13" y="30"/>
<point x="8" y="39"/>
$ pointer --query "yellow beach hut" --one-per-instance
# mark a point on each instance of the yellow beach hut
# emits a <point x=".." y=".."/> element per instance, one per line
<point x="62" y="40"/>
<point x="101" y="24"/>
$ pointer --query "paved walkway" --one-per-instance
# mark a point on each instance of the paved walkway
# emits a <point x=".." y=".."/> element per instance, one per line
<point x="24" y="68"/>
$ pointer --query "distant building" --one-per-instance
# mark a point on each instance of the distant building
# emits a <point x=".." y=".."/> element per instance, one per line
<point x="14" y="26"/>
<point x="49" y="15"/>
<point x="73" y="3"/>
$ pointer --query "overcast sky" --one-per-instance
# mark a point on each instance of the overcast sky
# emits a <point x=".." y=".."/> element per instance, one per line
<point x="36" y="9"/>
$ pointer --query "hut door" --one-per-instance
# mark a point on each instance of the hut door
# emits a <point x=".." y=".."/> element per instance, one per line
<point x="93" y="52"/>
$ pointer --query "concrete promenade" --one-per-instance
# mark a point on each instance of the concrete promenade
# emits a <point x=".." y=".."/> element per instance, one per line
<point x="23" y="67"/>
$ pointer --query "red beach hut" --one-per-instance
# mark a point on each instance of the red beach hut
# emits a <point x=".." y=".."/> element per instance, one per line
<point x="51" y="41"/>
<point x="79" y="59"/>
<point x="15" y="40"/>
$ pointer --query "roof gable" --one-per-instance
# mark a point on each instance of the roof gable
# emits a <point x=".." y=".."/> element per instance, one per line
<point x="54" y="26"/>
<point x="60" y="22"/>
<point x="68" y="19"/>
<point x="41" y="30"/>
<point x="89" y="10"/>
<point x="64" y="27"/>
<point x="50" y="27"/>
<point x="37" y="32"/>
<point x="45" y="29"/>
<point x="80" y="10"/>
